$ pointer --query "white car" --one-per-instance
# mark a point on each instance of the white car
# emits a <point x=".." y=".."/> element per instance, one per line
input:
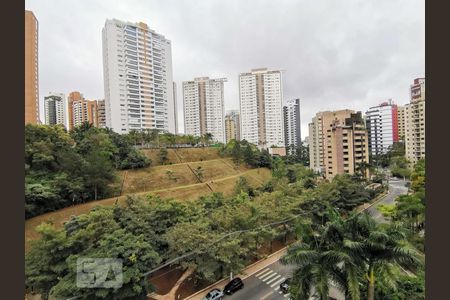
<point x="215" y="294"/>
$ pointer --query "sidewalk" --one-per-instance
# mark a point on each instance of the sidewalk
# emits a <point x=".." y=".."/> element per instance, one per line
<point x="247" y="272"/>
<point x="171" y="294"/>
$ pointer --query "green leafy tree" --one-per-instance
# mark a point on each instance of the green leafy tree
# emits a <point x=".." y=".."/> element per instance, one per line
<point x="236" y="152"/>
<point x="242" y="186"/>
<point x="45" y="263"/>
<point x="265" y="159"/>
<point x="137" y="257"/>
<point x="278" y="168"/>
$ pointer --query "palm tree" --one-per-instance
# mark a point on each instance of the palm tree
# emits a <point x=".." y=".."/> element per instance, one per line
<point x="378" y="247"/>
<point x="206" y="138"/>
<point x="342" y="252"/>
<point x="321" y="260"/>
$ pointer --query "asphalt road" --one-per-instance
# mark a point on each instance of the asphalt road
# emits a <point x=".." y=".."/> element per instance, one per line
<point x="397" y="187"/>
<point x="265" y="284"/>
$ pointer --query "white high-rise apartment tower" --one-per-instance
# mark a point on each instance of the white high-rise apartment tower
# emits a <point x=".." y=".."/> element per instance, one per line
<point x="292" y="126"/>
<point x="55" y="109"/>
<point x="382" y="126"/>
<point x="261" y="107"/>
<point x="137" y="70"/>
<point x="203" y="107"/>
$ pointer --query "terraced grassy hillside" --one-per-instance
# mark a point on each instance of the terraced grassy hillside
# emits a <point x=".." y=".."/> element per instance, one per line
<point x="175" y="156"/>
<point x="178" y="180"/>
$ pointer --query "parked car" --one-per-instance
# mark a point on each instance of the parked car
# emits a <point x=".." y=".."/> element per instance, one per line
<point x="284" y="286"/>
<point x="215" y="294"/>
<point x="233" y="286"/>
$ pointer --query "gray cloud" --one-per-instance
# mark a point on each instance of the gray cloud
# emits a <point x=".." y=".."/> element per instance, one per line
<point x="335" y="54"/>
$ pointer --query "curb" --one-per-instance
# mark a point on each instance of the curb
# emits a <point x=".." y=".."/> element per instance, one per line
<point x="243" y="272"/>
<point x="372" y="203"/>
<point x="376" y="200"/>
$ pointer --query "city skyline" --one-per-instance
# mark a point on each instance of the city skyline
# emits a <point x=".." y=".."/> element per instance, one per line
<point x="327" y="63"/>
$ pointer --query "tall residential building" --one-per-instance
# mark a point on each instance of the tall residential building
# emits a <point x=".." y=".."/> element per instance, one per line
<point x="31" y="69"/>
<point x="261" y="107"/>
<point x="338" y="143"/>
<point x="401" y="123"/>
<point x="137" y="71"/>
<point x="203" y="107"/>
<point x="175" y="105"/>
<point x="382" y="126"/>
<point x="55" y="109"/>
<point x="101" y="112"/>
<point x="415" y="122"/>
<point x="232" y="126"/>
<point x="81" y="110"/>
<point x="292" y="125"/>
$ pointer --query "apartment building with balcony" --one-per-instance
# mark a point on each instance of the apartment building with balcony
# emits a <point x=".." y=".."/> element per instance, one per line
<point x="101" y="112"/>
<point x="382" y="126"/>
<point x="55" y="109"/>
<point x="401" y="123"/>
<point x="31" y="69"/>
<point x="203" y="100"/>
<point x="232" y="126"/>
<point x="415" y="122"/>
<point x="82" y="110"/>
<point x="137" y="71"/>
<point x="292" y="125"/>
<point x="338" y="143"/>
<point x="261" y="107"/>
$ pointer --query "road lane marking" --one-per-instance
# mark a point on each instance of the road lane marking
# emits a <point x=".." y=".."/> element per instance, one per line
<point x="261" y="277"/>
<point x="278" y="283"/>
<point x="260" y="273"/>
<point x="271" y="275"/>
<point x="273" y="279"/>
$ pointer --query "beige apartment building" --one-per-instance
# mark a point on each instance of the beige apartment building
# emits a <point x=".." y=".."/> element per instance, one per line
<point x="31" y="69"/>
<point x="203" y="101"/>
<point x="137" y="72"/>
<point x="338" y="143"/>
<point x="261" y="107"/>
<point x="81" y="110"/>
<point x="401" y="123"/>
<point x="415" y="122"/>
<point x="101" y="111"/>
<point x="232" y="126"/>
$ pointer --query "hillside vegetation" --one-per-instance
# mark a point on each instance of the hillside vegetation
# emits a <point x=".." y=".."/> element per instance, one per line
<point x="218" y="175"/>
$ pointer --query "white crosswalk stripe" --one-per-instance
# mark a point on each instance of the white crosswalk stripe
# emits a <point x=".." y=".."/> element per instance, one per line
<point x="273" y="279"/>
<point x="278" y="283"/>
<point x="263" y="276"/>
<point x="260" y="273"/>
<point x="271" y="275"/>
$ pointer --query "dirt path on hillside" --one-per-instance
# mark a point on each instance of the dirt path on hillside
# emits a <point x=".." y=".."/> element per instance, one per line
<point x="60" y="216"/>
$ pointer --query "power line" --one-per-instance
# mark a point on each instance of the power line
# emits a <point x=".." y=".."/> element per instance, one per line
<point x="198" y="251"/>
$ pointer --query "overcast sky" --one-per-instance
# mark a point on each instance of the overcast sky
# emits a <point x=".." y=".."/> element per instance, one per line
<point x="334" y="54"/>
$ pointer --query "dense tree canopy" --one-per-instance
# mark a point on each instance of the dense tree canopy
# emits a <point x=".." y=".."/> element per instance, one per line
<point x="63" y="168"/>
<point x="214" y="235"/>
